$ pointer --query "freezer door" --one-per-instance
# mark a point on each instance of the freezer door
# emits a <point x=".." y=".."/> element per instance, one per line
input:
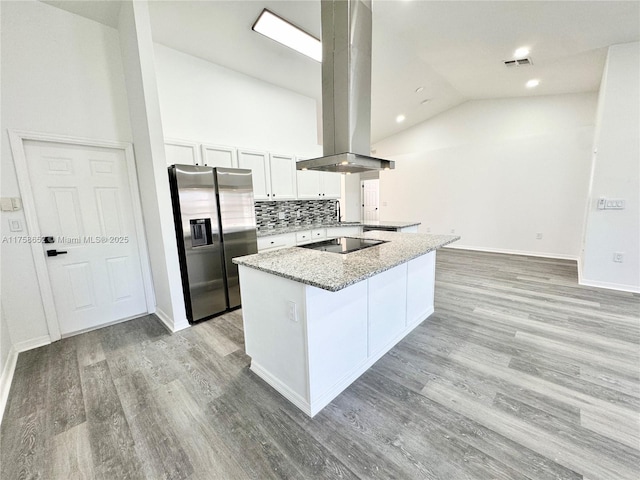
<point x="199" y="242"/>
<point x="238" y="223"/>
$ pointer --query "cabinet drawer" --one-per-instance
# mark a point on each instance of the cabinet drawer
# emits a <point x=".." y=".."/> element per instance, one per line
<point x="319" y="234"/>
<point x="343" y="231"/>
<point x="276" y="241"/>
<point x="303" y="237"/>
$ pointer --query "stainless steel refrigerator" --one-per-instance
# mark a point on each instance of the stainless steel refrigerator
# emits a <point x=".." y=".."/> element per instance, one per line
<point x="215" y="222"/>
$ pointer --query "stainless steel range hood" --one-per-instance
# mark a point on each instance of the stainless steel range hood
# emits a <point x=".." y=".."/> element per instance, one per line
<point x="346" y="90"/>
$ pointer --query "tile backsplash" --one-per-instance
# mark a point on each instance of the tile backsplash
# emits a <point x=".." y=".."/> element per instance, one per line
<point x="270" y="215"/>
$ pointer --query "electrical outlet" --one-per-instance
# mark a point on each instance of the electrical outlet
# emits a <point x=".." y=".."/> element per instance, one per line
<point x="618" y="257"/>
<point x="428" y="229"/>
<point x="611" y="203"/>
<point x="291" y="311"/>
<point x="538" y="236"/>
<point x="15" y="225"/>
<point x="281" y="215"/>
<point x="453" y="230"/>
<point x="298" y="213"/>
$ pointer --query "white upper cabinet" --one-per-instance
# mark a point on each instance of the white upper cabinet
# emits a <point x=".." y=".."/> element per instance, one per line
<point x="179" y="152"/>
<point x="219" y="156"/>
<point x="316" y="185"/>
<point x="283" y="177"/>
<point x="274" y="176"/>
<point x="258" y="163"/>
<point x="331" y="184"/>
<point x="309" y="184"/>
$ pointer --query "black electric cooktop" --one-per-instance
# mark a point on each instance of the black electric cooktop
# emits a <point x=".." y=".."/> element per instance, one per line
<point x="343" y="244"/>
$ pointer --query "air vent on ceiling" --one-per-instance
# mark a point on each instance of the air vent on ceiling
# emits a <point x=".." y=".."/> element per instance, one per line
<point x="518" y="62"/>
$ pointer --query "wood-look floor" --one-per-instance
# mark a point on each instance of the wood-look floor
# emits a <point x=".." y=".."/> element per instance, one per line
<point x="519" y="374"/>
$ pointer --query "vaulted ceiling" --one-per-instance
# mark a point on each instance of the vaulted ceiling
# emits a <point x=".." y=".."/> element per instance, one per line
<point x="453" y="49"/>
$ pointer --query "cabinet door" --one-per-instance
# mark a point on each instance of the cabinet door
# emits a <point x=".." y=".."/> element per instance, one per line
<point x="181" y="153"/>
<point x="331" y="184"/>
<point x="308" y="184"/>
<point x="258" y="163"/>
<point x="283" y="177"/>
<point x="219" y="156"/>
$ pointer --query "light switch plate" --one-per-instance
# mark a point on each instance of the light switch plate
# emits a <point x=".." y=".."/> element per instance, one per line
<point x="15" y="225"/>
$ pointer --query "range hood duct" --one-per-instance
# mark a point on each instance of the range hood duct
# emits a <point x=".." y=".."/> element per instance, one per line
<point x="346" y="90"/>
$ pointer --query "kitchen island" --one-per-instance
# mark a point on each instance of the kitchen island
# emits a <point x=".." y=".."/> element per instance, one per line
<point x="314" y="321"/>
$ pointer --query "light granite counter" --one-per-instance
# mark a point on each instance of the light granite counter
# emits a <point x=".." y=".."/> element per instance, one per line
<point x="389" y="224"/>
<point x="334" y="271"/>
<point x="301" y="228"/>
<point x="372" y="224"/>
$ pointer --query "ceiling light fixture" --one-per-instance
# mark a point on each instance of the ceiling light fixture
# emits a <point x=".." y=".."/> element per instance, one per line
<point x="277" y="28"/>
<point x="400" y="118"/>
<point x="522" y="52"/>
<point x="424" y="102"/>
<point x="533" y="83"/>
<point x="419" y="89"/>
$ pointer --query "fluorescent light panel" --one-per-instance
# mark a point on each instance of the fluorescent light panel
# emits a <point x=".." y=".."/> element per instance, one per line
<point x="278" y="29"/>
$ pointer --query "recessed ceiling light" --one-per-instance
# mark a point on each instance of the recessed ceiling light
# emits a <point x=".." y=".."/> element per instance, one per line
<point x="521" y="52"/>
<point x="419" y="89"/>
<point x="424" y="102"/>
<point x="400" y="118"/>
<point x="533" y="83"/>
<point x="278" y="29"/>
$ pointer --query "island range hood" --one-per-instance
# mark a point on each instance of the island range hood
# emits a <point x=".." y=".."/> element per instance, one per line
<point x="346" y="90"/>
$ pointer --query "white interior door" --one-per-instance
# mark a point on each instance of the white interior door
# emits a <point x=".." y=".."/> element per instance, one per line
<point x="370" y="200"/>
<point x="83" y="200"/>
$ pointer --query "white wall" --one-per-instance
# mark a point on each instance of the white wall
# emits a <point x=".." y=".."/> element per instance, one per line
<point x="138" y="59"/>
<point x="204" y="102"/>
<point x="497" y="172"/>
<point x="616" y="174"/>
<point x="61" y="74"/>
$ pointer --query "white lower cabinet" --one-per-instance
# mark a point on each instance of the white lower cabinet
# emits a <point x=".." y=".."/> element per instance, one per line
<point x="310" y="344"/>
<point x="273" y="242"/>
<point x="303" y="237"/>
<point x="319" y="234"/>
<point x="336" y="232"/>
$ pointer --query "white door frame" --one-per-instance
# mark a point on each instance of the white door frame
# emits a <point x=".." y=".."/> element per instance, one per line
<point x="16" y="139"/>
<point x="362" y="182"/>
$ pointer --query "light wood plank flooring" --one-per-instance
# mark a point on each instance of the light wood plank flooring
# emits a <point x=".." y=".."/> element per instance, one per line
<point x="519" y="374"/>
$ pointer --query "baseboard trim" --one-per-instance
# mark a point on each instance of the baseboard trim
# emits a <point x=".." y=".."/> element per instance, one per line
<point x="559" y="256"/>
<point x="168" y="322"/>
<point x="281" y="388"/>
<point x="32" y="343"/>
<point x="609" y="286"/>
<point x="6" y="379"/>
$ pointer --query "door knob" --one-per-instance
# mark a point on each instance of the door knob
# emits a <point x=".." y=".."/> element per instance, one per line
<point x="55" y="253"/>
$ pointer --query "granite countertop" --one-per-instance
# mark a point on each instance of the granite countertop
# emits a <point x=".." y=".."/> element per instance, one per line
<point x="334" y="271"/>
<point x="300" y="228"/>
<point x="390" y="224"/>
